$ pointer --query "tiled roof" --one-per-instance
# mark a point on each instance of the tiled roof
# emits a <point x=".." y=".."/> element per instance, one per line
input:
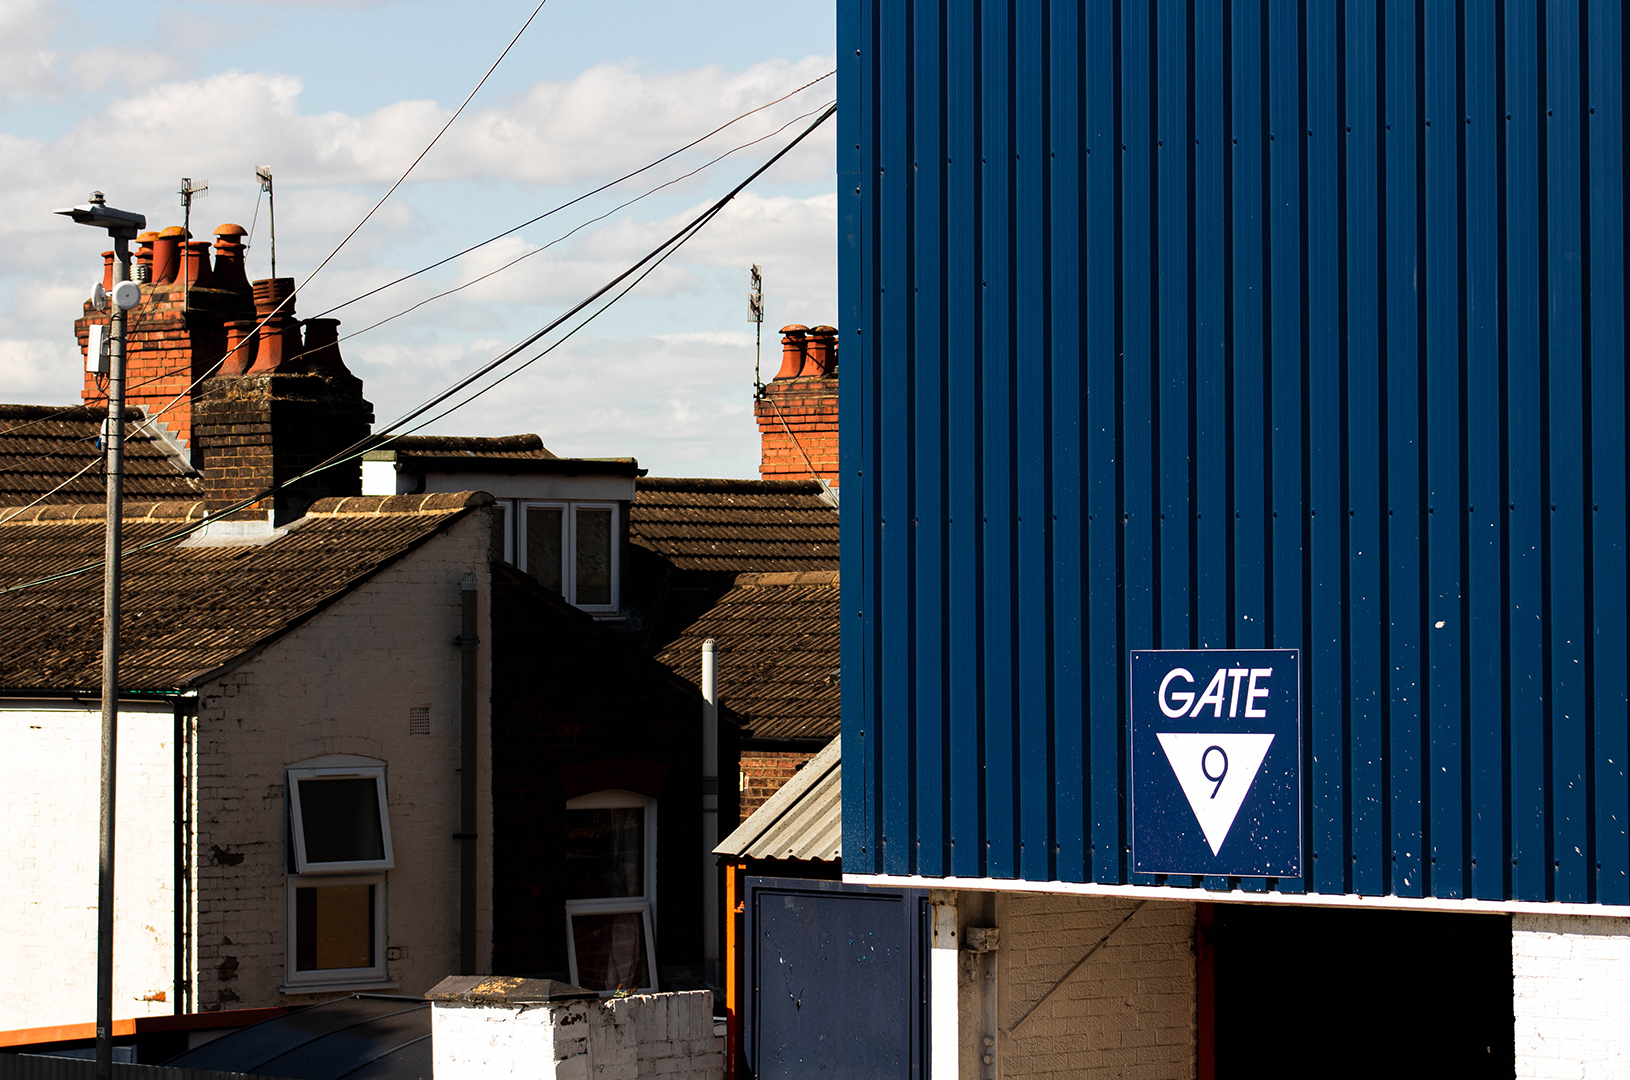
<point x="500" y="454"/>
<point x="736" y="526"/>
<point x="42" y="446"/>
<point x="524" y="447"/>
<point x="777" y="636"/>
<point x="188" y="610"/>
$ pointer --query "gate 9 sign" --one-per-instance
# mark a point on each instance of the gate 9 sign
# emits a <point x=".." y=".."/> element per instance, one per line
<point x="1216" y="748"/>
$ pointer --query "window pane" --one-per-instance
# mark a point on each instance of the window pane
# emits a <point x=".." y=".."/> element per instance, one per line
<point x="341" y="819"/>
<point x="333" y="927"/>
<point x="543" y="545"/>
<point x="605" y="853"/>
<point x="611" y="953"/>
<point x="594" y="556"/>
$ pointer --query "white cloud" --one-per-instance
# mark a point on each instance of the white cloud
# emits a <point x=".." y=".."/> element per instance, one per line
<point x="26" y="58"/>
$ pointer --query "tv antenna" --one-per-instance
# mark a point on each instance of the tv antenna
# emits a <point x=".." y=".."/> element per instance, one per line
<point x="263" y="173"/>
<point x="189" y="189"/>
<point x="755" y="315"/>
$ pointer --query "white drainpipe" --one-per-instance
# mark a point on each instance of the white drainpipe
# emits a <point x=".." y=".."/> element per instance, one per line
<point x="710" y="812"/>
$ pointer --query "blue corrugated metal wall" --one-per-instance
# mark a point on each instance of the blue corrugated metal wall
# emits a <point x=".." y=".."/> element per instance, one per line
<point x="1242" y="324"/>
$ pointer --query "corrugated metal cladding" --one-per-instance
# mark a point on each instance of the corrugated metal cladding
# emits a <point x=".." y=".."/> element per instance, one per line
<point x="1242" y="324"/>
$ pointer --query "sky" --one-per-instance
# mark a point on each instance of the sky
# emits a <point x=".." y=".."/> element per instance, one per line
<point x="339" y="97"/>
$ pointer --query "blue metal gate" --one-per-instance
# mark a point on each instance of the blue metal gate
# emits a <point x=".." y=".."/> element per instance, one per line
<point x="836" y="979"/>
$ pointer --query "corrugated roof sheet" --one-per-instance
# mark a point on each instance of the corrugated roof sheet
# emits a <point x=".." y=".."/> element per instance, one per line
<point x="187" y="611"/>
<point x="777" y="636"/>
<point x="803" y="820"/>
<point x="42" y="446"/>
<point x="736" y="526"/>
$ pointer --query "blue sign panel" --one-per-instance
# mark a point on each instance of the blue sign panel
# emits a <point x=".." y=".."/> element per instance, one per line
<point x="1216" y="747"/>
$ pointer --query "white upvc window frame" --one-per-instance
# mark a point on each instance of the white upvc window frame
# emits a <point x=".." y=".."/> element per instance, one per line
<point x="568" y="547"/>
<point x="297" y="981"/>
<point x="644" y="904"/>
<point x="297" y="819"/>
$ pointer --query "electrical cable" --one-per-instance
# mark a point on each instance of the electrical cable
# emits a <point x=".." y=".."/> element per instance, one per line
<point x="578" y="228"/>
<point x="357" y="228"/>
<point x="212" y="368"/>
<point x="377" y="439"/>
<point x="587" y="194"/>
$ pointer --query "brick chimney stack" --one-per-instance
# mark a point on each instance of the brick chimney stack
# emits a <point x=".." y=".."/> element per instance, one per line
<point x="798" y="411"/>
<point x="281" y="401"/>
<point x="177" y="331"/>
<point x="265" y="421"/>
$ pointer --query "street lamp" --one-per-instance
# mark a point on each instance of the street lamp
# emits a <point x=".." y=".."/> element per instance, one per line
<point x="122" y="226"/>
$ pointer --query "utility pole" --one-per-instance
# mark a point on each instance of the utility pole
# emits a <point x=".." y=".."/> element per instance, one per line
<point x="263" y="173"/>
<point x="122" y="226"/>
<point x="755" y="314"/>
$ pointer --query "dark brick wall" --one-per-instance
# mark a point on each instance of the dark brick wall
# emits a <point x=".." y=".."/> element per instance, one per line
<point x="763" y="772"/>
<point x="252" y="431"/>
<point x="575" y="709"/>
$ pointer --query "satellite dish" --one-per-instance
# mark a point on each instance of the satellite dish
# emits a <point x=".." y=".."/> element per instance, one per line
<point x="99" y="297"/>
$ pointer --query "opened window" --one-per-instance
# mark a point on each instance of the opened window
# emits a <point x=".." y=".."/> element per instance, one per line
<point x="609" y="869"/>
<point x="571" y="549"/>
<point x="339" y="846"/>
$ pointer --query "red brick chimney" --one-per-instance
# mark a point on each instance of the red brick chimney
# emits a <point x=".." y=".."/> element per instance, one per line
<point x="178" y="330"/>
<point x="798" y="411"/>
<point x="281" y="402"/>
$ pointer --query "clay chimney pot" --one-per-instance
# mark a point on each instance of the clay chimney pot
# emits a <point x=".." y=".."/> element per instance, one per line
<point x="107" y="271"/>
<point x="199" y="275"/>
<point x="167" y="254"/>
<point x="241" y="343"/>
<point x="144" y="256"/>
<point x="792" y="350"/>
<point x="231" y="230"/>
<point x="322" y="351"/>
<point x="821" y="357"/>
<point x="280" y="337"/>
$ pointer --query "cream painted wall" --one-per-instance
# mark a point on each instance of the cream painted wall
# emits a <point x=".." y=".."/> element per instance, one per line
<point x="50" y="781"/>
<point x="344" y="683"/>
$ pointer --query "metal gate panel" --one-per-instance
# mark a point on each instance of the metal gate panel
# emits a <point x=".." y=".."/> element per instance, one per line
<point x="836" y="979"/>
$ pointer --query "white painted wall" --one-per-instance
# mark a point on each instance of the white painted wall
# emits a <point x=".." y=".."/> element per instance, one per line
<point x="50" y="785"/>
<point x="1571" y="996"/>
<point x="646" y="1035"/>
<point x="1130" y="1010"/>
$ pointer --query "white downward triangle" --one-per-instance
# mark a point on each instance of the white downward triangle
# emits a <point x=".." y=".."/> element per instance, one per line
<point x="1201" y="760"/>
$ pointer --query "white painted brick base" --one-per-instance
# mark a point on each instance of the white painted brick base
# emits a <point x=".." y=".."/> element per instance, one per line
<point x="646" y="1035"/>
<point x="1571" y="996"/>
<point x="1129" y="1013"/>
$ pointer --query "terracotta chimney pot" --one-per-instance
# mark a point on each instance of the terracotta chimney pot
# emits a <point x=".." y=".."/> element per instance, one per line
<point x="167" y="254"/>
<point x="322" y="351"/>
<point x="241" y="344"/>
<point x="107" y="271"/>
<point x="229" y="249"/>
<point x="280" y="336"/>
<point x="144" y="256"/>
<point x="199" y="275"/>
<point x="822" y="352"/>
<point x="792" y="350"/>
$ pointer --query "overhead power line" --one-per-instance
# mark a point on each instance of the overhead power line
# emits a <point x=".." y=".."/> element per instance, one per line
<point x="215" y="365"/>
<point x="656" y="256"/>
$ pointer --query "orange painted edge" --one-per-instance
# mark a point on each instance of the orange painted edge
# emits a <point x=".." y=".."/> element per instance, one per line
<point x="140" y="1025"/>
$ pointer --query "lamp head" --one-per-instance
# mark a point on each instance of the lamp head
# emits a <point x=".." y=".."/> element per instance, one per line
<point x="119" y="223"/>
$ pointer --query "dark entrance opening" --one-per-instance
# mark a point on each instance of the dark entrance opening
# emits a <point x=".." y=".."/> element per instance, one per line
<point x="1329" y="992"/>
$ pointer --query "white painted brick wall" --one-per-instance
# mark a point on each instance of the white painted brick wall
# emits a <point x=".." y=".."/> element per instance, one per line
<point x="646" y="1035"/>
<point x="344" y="684"/>
<point x="50" y="784"/>
<point x="1129" y="1013"/>
<point x="1571" y="996"/>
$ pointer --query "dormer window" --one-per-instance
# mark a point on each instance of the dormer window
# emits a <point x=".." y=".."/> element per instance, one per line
<point x="570" y="547"/>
